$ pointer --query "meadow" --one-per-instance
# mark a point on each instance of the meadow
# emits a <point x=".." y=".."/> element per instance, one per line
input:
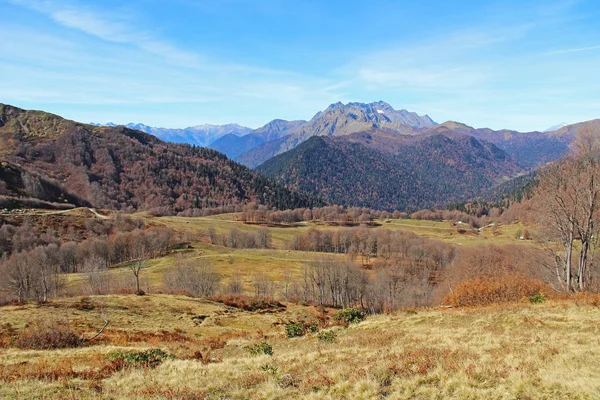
<point x="166" y="345"/>
<point x="511" y="351"/>
<point x="278" y="260"/>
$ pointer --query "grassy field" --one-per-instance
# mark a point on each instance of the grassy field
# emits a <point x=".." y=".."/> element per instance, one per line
<point x="445" y="231"/>
<point x="278" y="260"/>
<point x="517" y="351"/>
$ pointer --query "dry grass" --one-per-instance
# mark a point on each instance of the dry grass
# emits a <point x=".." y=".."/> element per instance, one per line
<point x="446" y="231"/>
<point x="515" y="351"/>
<point x="273" y="262"/>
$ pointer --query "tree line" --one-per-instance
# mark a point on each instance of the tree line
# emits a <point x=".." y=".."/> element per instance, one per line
<point x="38" y="272"/>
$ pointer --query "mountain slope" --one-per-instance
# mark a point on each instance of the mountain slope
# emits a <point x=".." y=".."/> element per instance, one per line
<point x="340" y="120"/>
<point x="200" y="135"/>
<point x="233" y="146"/>
<point x="530" y="149"/>
<point x="121" y="168"/>
<point x="363" y="169"/>
<point x="277" y="129"/>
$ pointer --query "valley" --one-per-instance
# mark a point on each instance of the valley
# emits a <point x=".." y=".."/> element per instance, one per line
<point x="231" y="200"/>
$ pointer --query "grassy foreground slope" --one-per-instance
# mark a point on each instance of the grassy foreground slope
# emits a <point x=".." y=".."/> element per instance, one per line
<point x="518" y="351"/>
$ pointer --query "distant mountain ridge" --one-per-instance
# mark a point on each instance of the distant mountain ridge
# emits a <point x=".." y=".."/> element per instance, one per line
<point x="199" y="135"/>
<point x="233" y="145"/>
<point x="253" y="147"/>
<point x="338" y="120"/>
<point x="556" y="127"/>
<point x="530" y="149"/>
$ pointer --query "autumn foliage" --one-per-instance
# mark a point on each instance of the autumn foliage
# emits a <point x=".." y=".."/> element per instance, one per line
<point x="500" y="289"/>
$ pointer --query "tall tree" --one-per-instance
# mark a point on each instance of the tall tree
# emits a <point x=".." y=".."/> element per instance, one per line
<point x="567" y="204"/>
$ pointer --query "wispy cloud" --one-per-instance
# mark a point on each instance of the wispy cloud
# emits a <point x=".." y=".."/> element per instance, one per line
<point x="573" y="50"/>
<point x="108" y="27"/>
<point x="82" y="58"/>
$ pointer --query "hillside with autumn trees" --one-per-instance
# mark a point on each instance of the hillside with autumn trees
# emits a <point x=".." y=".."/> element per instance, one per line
<point x="50" y="158"/>
<point x="386" y="171"/>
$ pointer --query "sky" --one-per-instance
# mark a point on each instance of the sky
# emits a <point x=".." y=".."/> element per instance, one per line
<point x="524" y="65"/>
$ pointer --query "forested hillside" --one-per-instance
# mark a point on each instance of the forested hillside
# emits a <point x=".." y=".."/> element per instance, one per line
<point x="121" y="168"/>
<point x="384" y="171"/>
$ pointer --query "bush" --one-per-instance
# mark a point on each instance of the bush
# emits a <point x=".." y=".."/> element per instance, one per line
<point x="84" y="304"/>
<point x="480" y="291"/>
<point x="350" y="316"/>
<point x="327" y="336"/>
<point x="47" y="336"/>
<point x="140" y="359"/>
<point x="249" y="303"/>
<point x="537" y="298"/>
<point x="294" y="329"/>
<point x="300" y="328"/>
<point x="260" y="349"/>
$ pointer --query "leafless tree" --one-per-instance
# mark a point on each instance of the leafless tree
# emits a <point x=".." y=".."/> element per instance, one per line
<point x="235" y="284"/>
<point x="567" y="204"/>
<point x="263" y="285"/>
<point x="194" y="276"/>
<point x="264" y="238"/>
<point x="94" y="267"/>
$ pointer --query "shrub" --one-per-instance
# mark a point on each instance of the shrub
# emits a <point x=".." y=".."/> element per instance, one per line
<point x="140" y="359"/>
<point x="47" y="335"/>
<point x="7" y="334"/>
<point x="327" y="336"/>
<point x="294" y="329"/>
<point x="260" y="349"/>
<point x="480" y="291"/>
<point x="249" y="303"/>
<point x="537" y="298"/>
<point x="272" y="369"/>
<point x="84" y="304"/>
<point x="350" y="316"/>
<point x="300" y="328"/>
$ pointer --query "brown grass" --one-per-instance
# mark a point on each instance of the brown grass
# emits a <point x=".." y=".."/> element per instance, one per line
<point x="495" y="290"/>
<point x="45" y="335"/>
<point x="249" y="303"/>
<point x="513" y="350"/>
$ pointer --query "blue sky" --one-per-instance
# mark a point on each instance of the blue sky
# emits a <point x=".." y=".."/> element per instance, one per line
<point x="522" y="65"/>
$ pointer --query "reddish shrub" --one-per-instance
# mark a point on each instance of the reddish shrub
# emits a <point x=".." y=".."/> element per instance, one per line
<point x="47" y="335"/>
<point x="485" y="291"/>
<point x="7" y="335"/>
<point x="248" y="303"/>
<point x="84" y="304"/>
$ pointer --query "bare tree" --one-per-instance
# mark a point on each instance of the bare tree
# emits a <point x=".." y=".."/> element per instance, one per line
<point x="94" y="267"/>
<point x="197" y="278"/>
<point x="264" y="238"/>
<point x="140" y="254"/>
<point x="263" y="285"/>
<point x="286" y="282"/>
<point x="568" y="200"/>
<point x="235" y="284"/>
<point x="212" y="234"/>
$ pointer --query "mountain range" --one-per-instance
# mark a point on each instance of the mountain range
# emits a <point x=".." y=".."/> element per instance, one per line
<point x="199" y="135"/>
<point x="338" y="120"/>
<point x="353" y="154"/>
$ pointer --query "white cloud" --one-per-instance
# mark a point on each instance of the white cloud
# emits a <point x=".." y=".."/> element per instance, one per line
<point x="109" y="27"/>
<point x="573" y="50"/>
